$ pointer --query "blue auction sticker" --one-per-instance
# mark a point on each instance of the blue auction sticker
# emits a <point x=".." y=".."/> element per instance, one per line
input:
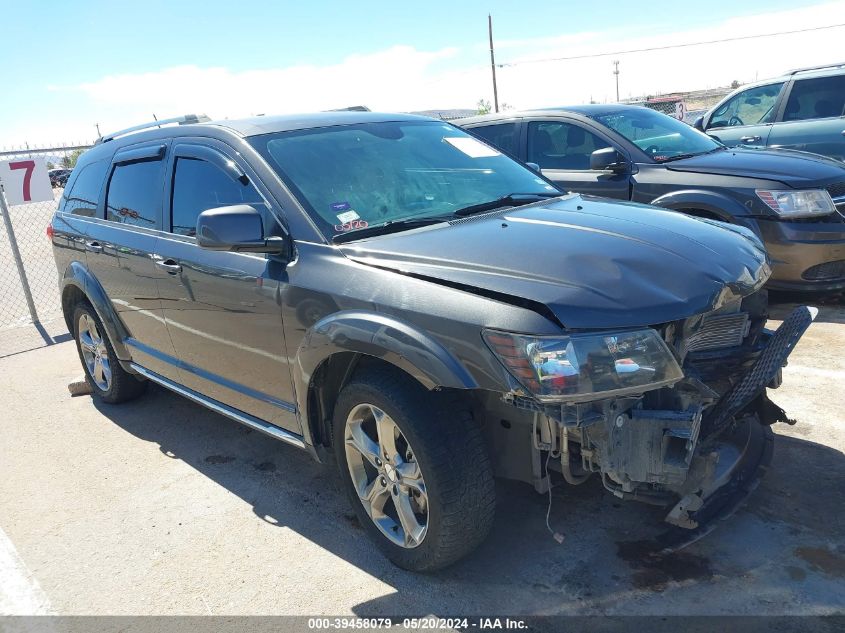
<point x="340" y="206"/>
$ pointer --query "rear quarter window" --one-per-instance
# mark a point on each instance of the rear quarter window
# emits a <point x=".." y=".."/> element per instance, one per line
<point x="84" y="194"/>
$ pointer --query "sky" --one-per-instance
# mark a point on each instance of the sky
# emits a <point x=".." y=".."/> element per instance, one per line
<point x="70" y="65"/>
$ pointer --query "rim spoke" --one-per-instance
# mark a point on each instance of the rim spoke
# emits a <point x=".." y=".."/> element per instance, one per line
<point x="386" y="428"/>
<point x="105" y="370"/>
<point x="98" y="370"/>
<point x="86" y="342"/>
<point x="413" y="530"/>
<point x="375" y="495"/>
<point x="412" y="478"/>
<point x="362" y="443"/>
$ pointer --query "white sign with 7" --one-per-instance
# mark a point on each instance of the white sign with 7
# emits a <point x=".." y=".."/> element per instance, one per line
<point x="25" y="180"/>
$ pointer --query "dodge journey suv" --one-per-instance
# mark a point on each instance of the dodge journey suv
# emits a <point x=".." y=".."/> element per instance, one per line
<point x="389" y="292"/>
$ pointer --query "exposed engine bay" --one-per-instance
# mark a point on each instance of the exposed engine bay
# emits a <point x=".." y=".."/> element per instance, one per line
<point x="697" y="445"/>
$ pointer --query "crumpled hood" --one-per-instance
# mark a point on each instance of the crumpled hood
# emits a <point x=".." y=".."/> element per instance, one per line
<point x="594" y="263"/>
<point x="799" y="170"/>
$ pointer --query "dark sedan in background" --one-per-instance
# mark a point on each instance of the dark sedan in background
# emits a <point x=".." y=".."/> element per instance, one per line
<point x="793" y="200"/>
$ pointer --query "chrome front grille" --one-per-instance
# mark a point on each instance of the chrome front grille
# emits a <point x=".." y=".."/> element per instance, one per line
<point x="718" y="331"/>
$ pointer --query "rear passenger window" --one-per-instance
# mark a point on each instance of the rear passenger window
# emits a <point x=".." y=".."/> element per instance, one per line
<point x="197" y="186"/>
<point x="816" y="99"/>
<point x="502" y="136"/>
<point x="85" y="193"/>
<point x="134" y="193"/>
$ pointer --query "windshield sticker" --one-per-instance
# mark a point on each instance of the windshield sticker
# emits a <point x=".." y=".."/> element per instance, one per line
<point x="471" y="147"/>
<point x="348" y="216"/>
<point x="350" y="226"/>
<point x="337" y="207"/>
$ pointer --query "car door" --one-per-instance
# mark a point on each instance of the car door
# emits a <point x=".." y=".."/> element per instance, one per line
<point x="813" y="119"/>
<point x="747" y="117"/>
<point x="562" y="149"/>
<point x="120" y="242"/>
<point x="223" y="309"/>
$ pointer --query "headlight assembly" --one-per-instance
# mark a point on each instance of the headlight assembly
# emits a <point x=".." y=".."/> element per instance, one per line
<point x="801" y="203"/>
<point x="584" y="367"/>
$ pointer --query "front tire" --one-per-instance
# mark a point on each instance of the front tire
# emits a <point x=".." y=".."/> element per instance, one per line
<point x="103" y="371"/>
<point x="415" y="467"/>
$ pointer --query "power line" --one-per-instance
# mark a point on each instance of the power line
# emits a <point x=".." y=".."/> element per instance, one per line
<point x="669" y="46"/>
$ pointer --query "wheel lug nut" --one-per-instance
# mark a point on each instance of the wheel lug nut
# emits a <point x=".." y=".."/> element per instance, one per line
<point x="383" y="482"/>
<point x="395" y="490"/>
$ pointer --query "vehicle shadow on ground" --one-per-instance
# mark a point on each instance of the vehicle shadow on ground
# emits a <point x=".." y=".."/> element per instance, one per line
<point x="831" y="307"/>
<point x="521" y="568"/>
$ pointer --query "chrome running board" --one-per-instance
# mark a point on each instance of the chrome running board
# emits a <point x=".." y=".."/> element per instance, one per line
<point x="219" y="407"/>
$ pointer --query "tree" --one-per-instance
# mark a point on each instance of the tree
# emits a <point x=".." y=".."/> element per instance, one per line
<point x="51" y="165"/>
<point x="734" y="84"/>
<point x="69" y="161"/>
<point x="483" y="107"/>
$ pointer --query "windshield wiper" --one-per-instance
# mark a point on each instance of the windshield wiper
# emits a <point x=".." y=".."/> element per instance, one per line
<point x="692" y="154"/>
<point x="391" y="226"/>
<point x="510" y="200"/>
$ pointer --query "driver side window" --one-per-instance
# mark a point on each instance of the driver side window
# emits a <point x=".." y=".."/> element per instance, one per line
<point x="750" y="107"/>
<point x="197" y="186"/>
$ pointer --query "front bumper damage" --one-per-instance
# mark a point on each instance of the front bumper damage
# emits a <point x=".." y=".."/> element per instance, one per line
<point x="700" y="456"/>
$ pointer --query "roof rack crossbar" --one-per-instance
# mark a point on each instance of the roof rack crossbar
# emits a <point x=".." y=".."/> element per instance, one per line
<point x="809" y="68"/>
<point x="180" y="120"/>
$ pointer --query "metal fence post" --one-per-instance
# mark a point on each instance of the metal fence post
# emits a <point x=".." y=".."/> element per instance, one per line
<point x="13" y="243"/>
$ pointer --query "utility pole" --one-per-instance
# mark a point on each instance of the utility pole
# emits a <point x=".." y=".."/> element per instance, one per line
<point x="616" y="72"/>
<point x="493" y="62"/>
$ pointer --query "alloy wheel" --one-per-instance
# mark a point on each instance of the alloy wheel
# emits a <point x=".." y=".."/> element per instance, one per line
<point x="386" y="475"/>
<point x="94" y="352"/>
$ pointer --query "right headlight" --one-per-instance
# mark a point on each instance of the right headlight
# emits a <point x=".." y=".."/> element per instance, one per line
<point x="798" y="203"/>
<point x="584" y="367"/>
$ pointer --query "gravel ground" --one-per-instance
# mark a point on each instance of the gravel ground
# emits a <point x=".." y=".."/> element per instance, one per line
<point x="160" y="507"/>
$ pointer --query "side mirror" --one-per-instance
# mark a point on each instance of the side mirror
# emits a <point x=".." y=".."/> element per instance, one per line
<point x="608" y="159"/>
<point x="533" y="167"/>
<point x="237" y="228"/>
<point x="699" y="124"/>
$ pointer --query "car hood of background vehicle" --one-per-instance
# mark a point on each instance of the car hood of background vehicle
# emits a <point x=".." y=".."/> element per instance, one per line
<point x="594" y="263"/>
<point x="795" y="169"/>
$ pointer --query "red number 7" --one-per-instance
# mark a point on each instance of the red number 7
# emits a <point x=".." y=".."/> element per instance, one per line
<point x="29" y="165"/>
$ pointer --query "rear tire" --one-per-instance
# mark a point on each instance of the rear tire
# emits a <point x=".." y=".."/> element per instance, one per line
<point x="103" y="370"/>
<point x="439" y="474"/>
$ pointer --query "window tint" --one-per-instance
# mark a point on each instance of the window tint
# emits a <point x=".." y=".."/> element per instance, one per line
<point x="197" y="186"/>
<point x="83" y="197"/>
<point x="502" y="136"/>
<point x="751" y="107"/>
<point x="134" y="193"/>
<point x="816" y="99"/>
<point x="556" y="145"/>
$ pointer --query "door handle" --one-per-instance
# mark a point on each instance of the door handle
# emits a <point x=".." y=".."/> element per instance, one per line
<point x="94" y="247"/>
<point x="749" y="139"/>
<point x="171" y="266"/>
<point x="843" y="132"/>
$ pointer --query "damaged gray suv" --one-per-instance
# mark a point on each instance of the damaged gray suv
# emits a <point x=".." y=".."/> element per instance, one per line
<point x="389" y="292"/>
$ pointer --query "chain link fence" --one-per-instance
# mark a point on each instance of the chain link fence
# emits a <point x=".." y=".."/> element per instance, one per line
<point x="28" y="224"/>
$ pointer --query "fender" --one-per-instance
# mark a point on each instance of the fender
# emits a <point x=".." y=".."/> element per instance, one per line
<point x="380" y="336"/>
<point x="720" y="205"/>
<point x="78" y="276"/>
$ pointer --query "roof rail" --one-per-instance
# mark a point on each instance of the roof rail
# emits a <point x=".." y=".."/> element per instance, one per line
<point x="809" y="68"/>
<point x="180" y="120"/>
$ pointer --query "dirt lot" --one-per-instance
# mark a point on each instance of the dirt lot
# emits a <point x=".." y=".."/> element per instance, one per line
<point x="160" y="506"/>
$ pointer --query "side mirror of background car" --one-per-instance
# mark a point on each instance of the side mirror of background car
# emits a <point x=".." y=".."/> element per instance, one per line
<point x="608" y="159"/>
<point x="699" y="124"/>
<point x="238" y="228"/>
<point x="533" y="167"/>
